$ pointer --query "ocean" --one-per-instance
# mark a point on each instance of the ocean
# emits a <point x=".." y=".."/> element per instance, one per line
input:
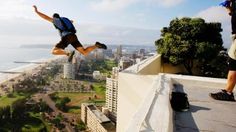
<point x="9" y="55"/>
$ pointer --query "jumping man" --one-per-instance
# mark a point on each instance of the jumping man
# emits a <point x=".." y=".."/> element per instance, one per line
<point x="68" y="36"/>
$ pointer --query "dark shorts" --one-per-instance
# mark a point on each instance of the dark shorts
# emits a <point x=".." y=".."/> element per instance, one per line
<point x="232" y="64"/>
<point x="69" y="39"/>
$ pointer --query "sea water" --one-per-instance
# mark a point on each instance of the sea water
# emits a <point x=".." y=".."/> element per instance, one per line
<point x="8" y="57"/>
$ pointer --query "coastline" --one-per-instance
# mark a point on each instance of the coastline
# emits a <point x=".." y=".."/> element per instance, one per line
<point x="25" y="69"/>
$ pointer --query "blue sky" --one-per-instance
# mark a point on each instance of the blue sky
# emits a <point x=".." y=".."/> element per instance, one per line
<point x="109" y="21"/>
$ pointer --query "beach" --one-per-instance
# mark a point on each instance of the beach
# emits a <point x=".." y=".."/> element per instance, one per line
<point x="28" y="69"/>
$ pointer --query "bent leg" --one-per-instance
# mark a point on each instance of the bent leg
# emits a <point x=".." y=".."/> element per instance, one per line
<point x="231" y="81"/>
<point x="59" y="51"/>
<point x="86" y="51"/>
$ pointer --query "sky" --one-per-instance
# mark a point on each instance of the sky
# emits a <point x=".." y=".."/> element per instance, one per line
<point x="134" y="22"/>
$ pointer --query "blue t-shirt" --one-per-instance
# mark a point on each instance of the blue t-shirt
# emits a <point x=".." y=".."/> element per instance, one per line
<point x="57" y="21"/>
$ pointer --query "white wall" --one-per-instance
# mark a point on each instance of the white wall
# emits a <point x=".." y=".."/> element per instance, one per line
<point x="130" y="97"/>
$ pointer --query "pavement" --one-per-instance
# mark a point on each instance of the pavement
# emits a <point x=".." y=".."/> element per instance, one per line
<point x="205" y="114"/>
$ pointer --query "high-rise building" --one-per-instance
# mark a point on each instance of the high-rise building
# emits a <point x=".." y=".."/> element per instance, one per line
<point x="111" y="91"/>
<point x="125" y="62"/>
<point x="98" y="54"/>
<point x="108" y="53"/>
<point x="69" y="71"/>
<point x="119" y="52"/>
<point x="141" y="52"/>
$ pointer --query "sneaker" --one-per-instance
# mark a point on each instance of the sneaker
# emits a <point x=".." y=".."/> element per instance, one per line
<point x="223" y="95"/>
<point x="70" y="56"/>
<point x="100" y="45"/>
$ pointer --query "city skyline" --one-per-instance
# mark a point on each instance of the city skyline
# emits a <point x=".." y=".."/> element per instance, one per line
<point x="112" y="22"/>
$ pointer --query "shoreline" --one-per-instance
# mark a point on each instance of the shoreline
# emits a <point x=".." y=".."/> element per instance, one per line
<point x="25" y="69"/>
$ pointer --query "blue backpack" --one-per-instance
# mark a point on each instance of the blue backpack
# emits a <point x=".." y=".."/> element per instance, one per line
<point x="65" y="25"/>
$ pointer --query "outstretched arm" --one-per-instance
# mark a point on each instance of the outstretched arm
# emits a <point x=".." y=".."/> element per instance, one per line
<point x="42" y="15"/>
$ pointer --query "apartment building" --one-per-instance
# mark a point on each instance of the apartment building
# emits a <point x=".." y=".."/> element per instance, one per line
<point x="111" y="91"/>
<point x="95" y="120"/>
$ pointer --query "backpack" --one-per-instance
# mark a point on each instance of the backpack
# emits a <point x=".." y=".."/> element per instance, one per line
<point x="179" y="101"/>
<point x="65" y="25"/>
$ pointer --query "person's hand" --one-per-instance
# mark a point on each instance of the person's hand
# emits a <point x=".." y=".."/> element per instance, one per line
<point x="229" y="10"/>
<point x="35" y="8"/>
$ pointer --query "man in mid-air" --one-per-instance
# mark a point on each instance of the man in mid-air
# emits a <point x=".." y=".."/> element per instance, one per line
<point x="68" y="36"/>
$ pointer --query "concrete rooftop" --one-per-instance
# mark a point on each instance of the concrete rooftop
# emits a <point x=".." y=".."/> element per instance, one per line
<point x="205" y="114"/>
<point x="144" y="101"/>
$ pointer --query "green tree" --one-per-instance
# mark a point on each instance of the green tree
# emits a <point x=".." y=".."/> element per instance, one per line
<point x="62" y="104"/>
<point x="190" y="40"/>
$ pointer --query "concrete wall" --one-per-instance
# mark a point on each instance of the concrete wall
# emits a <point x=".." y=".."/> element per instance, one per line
<point x="150" y="67"/>
<point x="130" y="97"/>
<point x="154" y="66"/>
<point x="169" y="68"/>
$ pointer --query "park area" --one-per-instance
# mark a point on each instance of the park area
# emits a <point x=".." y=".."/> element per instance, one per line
<point x="76" y="99"/>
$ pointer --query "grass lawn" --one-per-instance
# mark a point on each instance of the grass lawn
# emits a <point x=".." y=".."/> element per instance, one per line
<point x="32" y="127"/>
<point x="100" y="89"/>
<point x="78" y="98"/>
<point x="5" y="101"/>
<point x="75" y="111"/>
<point x="110" y="63"/>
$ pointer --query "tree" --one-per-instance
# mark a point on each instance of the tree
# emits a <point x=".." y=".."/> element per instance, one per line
<point x="190" y="40"/>
<point x="62" y="104"/>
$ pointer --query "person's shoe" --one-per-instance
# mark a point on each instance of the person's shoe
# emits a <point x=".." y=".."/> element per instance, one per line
<point x="70" y="57"/>
<point x="100" y="45"/>
<point x="222" y="95"/>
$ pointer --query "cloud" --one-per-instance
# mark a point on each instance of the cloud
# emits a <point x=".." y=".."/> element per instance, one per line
<point x="166" y="3"/>
<point x="112" y="5"/>
<point x="13" y="8"/>
<point x="116" y="34"/>
<point x="17" y="31"/>
<point x="115" y="5"/>
<point x="218" y="14"/>
<point x="214" y="14"/>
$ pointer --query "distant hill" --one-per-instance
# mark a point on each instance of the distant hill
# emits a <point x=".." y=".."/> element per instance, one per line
<point x="110" y="46"/>
<point x="41" y="46"/>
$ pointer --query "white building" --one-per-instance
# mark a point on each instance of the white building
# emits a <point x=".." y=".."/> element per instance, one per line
<point x="111" y="91"/>
<point x="96" y="75"/>
<point x="69" y="71"/>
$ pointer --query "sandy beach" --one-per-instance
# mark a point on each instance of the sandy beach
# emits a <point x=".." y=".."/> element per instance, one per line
<point x="29" y="69"/>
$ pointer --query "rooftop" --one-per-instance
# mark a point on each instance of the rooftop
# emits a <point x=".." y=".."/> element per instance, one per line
<point x="205" y="114"/>
<point x="144" y="101"/>
<point x="100" y="116"/>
